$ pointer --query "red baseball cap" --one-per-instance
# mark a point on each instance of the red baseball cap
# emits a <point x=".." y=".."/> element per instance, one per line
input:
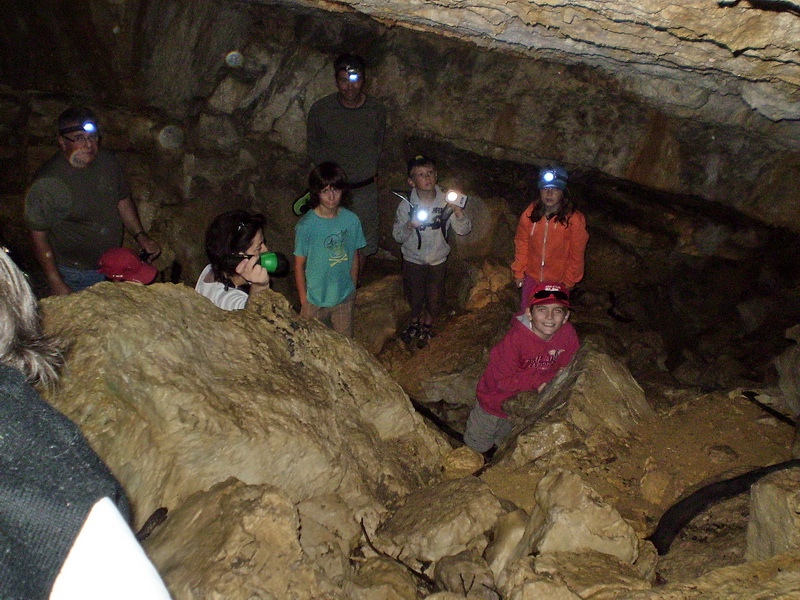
<point x="122" y="264"/>
<point x="549" y="293"/>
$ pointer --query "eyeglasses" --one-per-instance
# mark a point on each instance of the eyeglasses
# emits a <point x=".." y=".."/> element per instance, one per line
<point x="83" y="138"/>
<point x="558" y="295"/>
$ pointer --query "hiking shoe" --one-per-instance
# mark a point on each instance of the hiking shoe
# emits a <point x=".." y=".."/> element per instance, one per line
<point x="410" y="332"/>
<point x="425" y="334"/>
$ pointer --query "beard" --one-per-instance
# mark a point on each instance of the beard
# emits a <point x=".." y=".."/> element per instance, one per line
<point x="81" y="158"/>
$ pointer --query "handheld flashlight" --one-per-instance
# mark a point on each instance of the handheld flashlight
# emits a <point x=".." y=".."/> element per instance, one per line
<point x="273" y="262"/>
<point x="421" y="215"/>
<point x="456" y="198"/>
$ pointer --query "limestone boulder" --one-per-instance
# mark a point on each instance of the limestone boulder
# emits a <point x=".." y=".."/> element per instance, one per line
<point x="602" y="393"/>
<point x="788" y="366"/>
<point x="486" y="283"/>
<point x="438" y="521"/>
<point x="466" y="573"/>
<point x="590" y="574"/>
<point x="521" y="582"/>
<point x="381" y="578"/>
<point x="238" y="542"/>
<point x="569" y="516"/>
<point x="328" y="534"/>
<point x="543" y="437"/>
<point x="177" y="395"/>
<point x="461" y="462"/>
<point x="506" y="536"/>
<point x="596" y="393"/>
<point x="774" y="525"/>
<point x="379" y="309"/>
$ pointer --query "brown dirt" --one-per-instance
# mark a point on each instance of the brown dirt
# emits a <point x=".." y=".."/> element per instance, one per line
<point x="701" y="440"/>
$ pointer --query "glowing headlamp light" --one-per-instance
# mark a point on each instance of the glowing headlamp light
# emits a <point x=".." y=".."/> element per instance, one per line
<point x="88" y="127"/>
<point x="352" y="74"/>
<point x="548" y="177"/>
<point x="422" y="215"/>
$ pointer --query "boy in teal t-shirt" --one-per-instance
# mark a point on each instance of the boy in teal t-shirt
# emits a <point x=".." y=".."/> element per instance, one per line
<point x="326" y="246"/>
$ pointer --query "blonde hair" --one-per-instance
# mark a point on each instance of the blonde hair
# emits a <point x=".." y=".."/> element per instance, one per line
<point x="22" y="343"/>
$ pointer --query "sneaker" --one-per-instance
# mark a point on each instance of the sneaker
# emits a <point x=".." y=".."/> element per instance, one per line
<point x="425" y="334"/>
<point x="410" y="332"/>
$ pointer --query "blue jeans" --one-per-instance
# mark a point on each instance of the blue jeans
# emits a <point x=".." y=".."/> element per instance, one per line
<point x="80" y="279"/>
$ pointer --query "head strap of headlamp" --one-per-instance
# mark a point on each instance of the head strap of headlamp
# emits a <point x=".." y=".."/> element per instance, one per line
<point x="82" y="127"/>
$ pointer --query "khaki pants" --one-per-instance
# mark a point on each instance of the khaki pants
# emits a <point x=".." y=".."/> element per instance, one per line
<point x="484" y="430"/>
<point x="339" y="317"/>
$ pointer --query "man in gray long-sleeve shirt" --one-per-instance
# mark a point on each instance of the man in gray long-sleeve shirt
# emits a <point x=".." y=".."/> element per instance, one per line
<point x="348" y="128"/>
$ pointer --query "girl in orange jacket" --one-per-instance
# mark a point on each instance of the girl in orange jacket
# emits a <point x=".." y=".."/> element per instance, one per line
<point x="551" y="236"/>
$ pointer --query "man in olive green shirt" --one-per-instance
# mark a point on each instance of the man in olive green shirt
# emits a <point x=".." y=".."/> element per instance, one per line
<point x="78" y="206"/>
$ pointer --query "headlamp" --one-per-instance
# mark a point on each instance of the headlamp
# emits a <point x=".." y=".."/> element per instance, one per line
<point x="552" y="177"/>
<point x="422" y="215"/>
<point x="352" y="74"/>
<point x="88" y="127"/>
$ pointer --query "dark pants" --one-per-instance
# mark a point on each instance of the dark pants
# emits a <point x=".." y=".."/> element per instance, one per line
<point x="424" y="288"/>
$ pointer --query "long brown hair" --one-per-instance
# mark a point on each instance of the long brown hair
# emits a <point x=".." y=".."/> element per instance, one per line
<point x="563" y="214"/>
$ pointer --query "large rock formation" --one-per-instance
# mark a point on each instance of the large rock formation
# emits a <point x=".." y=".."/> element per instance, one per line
<point x="178" y="395"/>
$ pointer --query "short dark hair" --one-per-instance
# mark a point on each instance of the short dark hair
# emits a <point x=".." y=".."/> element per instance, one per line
<point x="230" y="233"/>
<point x="420" y="160"/>
<point x="76" y="114"/>
<point x="343" y="61"/>
<point x="324" y="175"/>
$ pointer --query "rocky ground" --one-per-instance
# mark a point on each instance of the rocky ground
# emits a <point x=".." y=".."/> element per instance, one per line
<point x="698" y="436"/>
<point x="293" y="464"/>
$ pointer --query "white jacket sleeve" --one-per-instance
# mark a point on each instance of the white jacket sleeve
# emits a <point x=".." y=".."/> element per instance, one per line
<point x="399" y="230"/>
<point x="461" y="226"/>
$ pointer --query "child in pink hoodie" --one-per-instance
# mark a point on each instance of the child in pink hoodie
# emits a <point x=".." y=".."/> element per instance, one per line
<point x="539" y="344"/>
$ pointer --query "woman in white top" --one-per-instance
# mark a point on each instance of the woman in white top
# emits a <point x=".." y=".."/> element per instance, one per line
<point x="234" y="241"/>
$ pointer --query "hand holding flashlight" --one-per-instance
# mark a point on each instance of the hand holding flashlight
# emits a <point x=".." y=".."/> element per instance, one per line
<point x="419" y="218"/>
<point x="457" y="200"/>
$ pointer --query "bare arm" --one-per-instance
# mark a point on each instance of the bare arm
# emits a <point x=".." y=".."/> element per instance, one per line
<point x="47" y="260"/>
<point x="354" y="267"/>
<point x="300" y="282"/>
<point x="130" y="218"/>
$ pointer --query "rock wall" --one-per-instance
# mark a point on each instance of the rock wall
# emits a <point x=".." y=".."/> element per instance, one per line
<point x="205" y="101"/>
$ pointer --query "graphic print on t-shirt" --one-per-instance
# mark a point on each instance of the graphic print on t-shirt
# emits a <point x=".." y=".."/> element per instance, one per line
<point x="335" y="245"/>
<point x="543" y="361"/>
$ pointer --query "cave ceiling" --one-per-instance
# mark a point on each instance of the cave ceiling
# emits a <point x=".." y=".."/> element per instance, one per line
<point x="697" y="98"/>
<point x="730" y="59"/>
